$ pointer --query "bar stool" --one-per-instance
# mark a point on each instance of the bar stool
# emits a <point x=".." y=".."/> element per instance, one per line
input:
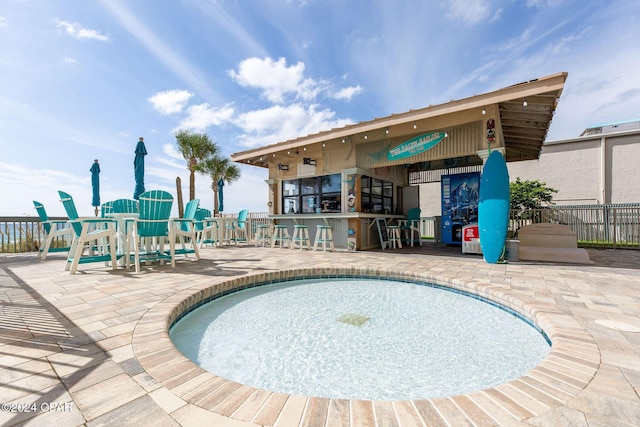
<point x="394" y="236"/>
<point x="300" y="236"/>
<point x="263" y="233"/>
<point x="281" y="234"/>
<point x="324" y="235"/>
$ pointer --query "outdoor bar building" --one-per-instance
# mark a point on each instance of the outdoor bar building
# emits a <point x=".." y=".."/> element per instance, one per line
<point x="347" y="177"/>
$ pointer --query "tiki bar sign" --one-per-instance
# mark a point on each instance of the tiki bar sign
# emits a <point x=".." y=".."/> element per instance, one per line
<point x="416" y="145"/>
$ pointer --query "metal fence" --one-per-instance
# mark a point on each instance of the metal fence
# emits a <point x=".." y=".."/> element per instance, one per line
<point x="599" y="226"/>
<point x="25" y="234"/>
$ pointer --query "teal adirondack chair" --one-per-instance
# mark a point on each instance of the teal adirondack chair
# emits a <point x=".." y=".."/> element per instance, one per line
<point x="105" y="209"/>
<point x="412" y="226"/>
<point x="125" y="206"/>
<point x="152" y="229"/>
<point x="184" y="230"/>
<point x="201" y="214"/>
<point x="125" y="225"/>
<point x="89" y="233"/>
<point x="210" y="234"/>
<point x="237" y="229"/>
<point x="53" y="231"/>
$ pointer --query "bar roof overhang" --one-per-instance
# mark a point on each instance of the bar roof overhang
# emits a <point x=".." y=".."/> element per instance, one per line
<point x="524" y="128"/>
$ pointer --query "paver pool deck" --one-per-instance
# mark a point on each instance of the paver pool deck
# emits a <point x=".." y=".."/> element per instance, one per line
<point x="92" y="348"/>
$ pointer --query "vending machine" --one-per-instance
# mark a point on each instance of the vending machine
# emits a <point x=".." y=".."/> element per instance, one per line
<point x="459" y="204"/>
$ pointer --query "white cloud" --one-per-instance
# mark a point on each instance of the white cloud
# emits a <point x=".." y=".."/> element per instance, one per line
<point x="70" y="60"/>
<point x="201" y="116"/>
<point x="170" y="101"/>
<point x="274" y="78"/>
<point x="470" y="11"/>
<point x="76" y="31"/>
<point x="279" y="123"/>
<point x="347" y="93"/>
<point x="4" y="22"/>
<point x="173" y="153"/>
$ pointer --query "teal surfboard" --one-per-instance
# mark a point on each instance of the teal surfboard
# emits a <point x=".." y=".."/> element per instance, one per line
<point x="493" y="207"/>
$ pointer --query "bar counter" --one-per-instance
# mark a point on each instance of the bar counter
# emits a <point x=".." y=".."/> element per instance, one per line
<point x="351" y="231"/>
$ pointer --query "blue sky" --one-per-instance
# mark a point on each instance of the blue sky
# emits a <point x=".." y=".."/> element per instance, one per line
<point x="83" y="79"/>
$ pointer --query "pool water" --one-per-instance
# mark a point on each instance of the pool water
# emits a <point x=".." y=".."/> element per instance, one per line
<point x="359" y="339"/>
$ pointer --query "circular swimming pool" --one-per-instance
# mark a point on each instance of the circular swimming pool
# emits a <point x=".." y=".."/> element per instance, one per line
<point x="359" y="339"/>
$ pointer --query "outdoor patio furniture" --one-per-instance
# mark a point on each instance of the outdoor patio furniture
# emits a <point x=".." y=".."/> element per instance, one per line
<point x="125" y="206"/>
<point x="184" y="230"/>
<point x="280" y="236"/>
<point x="94" y="234"/>
<point x="236" y="230"/>
<point x="263" y="234"/>
<point x="152" y="229"/>
<point x="201" y="215"/>
<point x="411" y="226"/>
<point x="324" y="235"/>
<point x="105" y="209"/>
<point x="394" y="236"/>
<point x="211" y="231"/>
<point x="300" y="236"/>
<point x="124" y="211"/>
<point x="53" y="231"/>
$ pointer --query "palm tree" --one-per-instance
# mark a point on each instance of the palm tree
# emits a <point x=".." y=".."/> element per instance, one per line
<point x="195" y="148"/>
<point x="219" y="168"/>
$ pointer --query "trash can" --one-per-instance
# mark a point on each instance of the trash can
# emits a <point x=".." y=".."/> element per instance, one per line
<point x="512" y="249"/>
<point x="471" y="239"/>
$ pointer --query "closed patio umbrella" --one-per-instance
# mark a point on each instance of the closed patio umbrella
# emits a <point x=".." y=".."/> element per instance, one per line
<point x="220" y="195"/>
<point x="138" y="168"/>
<point x="95" y="184"/>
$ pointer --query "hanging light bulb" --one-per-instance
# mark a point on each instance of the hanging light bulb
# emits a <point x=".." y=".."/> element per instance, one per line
<point x="415" y="126"/>
<point x="484" y="111"/>
<point x="525" y="103"/>
<point x="386" y="131"/>
<point x="365" y="137"/>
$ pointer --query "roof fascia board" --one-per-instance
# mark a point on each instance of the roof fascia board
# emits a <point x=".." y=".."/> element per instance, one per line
<point x="554" y="82"/>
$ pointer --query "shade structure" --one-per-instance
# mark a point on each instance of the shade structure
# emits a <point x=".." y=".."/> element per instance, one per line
<point x="220" y="195"/>
<point x="95" y="185"/>
<point x="138" y="168"/>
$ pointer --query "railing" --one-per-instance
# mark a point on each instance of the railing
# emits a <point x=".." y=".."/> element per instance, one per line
<point x="430" y="228"/>
<point x="25" y="234"/>
<point x="253" y="220"/>
<point x="601" y="226"/>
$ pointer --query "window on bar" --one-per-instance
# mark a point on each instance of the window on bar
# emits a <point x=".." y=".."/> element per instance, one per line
<point x="312" y="195"/>
<point x="377" y="196"/>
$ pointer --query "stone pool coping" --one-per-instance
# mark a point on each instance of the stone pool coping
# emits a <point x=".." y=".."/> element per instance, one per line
<point x="571" y="364"/>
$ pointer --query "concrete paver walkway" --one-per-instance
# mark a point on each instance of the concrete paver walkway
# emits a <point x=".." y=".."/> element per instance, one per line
<point x="90" y="349"/>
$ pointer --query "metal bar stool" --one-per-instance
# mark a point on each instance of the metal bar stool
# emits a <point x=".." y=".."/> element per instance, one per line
<point x="300" y="236"/>
<point x="281" y="235"/>
<point x="263" y="234"/>
<point x="324" y="235"/>
<point x="394" y="236"/>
